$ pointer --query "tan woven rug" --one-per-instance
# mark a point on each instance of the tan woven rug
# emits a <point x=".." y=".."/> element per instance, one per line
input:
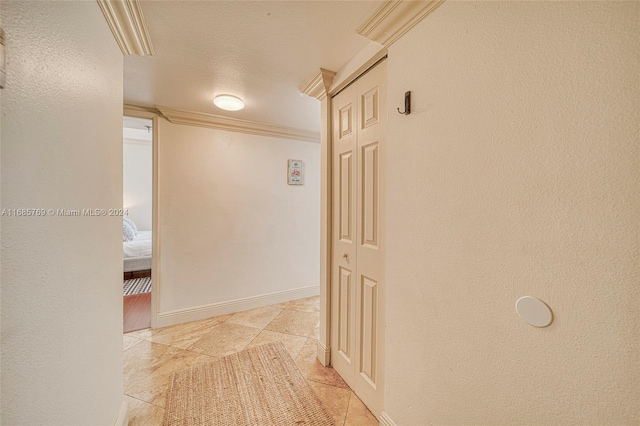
<point x="258" y="386"/>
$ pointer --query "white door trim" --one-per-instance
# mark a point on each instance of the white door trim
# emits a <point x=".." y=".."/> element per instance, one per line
<point x="343" y="82"/>
<point x="317" y="86"/>
<point x="133" y="111"/>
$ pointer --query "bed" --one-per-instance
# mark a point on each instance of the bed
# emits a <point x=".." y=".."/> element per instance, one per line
<point x="137" y="255"/>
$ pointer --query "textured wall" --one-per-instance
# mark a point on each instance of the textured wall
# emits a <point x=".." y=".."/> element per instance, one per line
<point x="517" y="173"/>
<point x="231" y="227"/>
<point x="61" y="276"/>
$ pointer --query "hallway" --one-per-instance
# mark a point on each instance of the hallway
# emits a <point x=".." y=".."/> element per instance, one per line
<point x="151" y="356"/>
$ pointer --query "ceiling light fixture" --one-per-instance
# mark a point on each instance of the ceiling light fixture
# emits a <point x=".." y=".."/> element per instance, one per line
<point x="228" y="102"/>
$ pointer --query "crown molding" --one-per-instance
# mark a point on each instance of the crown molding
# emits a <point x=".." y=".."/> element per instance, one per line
<point x="201" y="119"/>
<point x="394" y="18"/>
<point x="317" y="86"/>
<point x="137" y="111"/>
<point x="127" y="24"/>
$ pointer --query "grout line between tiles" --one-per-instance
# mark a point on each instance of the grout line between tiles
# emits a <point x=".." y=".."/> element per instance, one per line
<point x="348" y="405"/>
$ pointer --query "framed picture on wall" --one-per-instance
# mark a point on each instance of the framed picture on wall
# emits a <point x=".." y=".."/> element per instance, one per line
<point x="295" y="172"/>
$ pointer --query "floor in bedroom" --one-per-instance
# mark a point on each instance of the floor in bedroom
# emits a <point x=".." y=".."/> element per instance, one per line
<point x="151" y="356"/>
<point x="136" y="312"/>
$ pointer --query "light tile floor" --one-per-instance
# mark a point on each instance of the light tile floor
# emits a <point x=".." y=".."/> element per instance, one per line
<point x="151" y="356"/>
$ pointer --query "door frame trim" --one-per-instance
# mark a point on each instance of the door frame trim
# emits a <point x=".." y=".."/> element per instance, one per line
<point x="317" y="86"/>
<point x="340" y="85"/>
<point x="134" y="111"/>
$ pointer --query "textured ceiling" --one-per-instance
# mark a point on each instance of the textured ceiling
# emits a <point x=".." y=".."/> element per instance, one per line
<point x="260" y="51"/>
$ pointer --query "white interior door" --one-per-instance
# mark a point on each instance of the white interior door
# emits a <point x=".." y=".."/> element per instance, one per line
<point x="358" y="258"/>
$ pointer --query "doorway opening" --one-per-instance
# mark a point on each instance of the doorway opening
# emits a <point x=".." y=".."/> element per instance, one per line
<point x="137" y="203"/>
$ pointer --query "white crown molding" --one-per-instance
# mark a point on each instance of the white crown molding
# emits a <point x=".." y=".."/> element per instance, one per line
<point x="317" y="86"/>
<point x="201" y="119"/>
<point x="394" y="18"/>
<point x="385" y="420"/>
<point x="137" y="111"/>
<point x="126" y="22"/>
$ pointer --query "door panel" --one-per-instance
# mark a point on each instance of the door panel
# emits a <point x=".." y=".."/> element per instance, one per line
<point x="343" y="313"/>
<point x="370" y="107"/>
<point x="368" y="321"/>
<point x="346" y="197"/>
<point x="369" y="218"/>
<point x="346" y="120"/>
<point x="370" y="254"/>
<point x="358" y="261"/>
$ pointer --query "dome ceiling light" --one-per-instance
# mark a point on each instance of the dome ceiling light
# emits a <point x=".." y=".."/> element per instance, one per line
<point x="228" y="102"/>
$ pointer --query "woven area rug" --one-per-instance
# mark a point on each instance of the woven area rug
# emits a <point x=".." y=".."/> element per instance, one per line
<point x="258" y="386"/>
<point x="137" y="286"/>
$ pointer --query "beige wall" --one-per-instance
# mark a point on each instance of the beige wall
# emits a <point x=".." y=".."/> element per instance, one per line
<point x="517" y="173"/>
<point x="231" y="227"/>
<point x="61" y="276"/>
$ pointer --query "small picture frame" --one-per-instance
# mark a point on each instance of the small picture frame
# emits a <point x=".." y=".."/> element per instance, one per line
<point x="295" y="172"/>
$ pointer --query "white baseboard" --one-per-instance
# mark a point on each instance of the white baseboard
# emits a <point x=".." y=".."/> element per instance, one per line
<point x="123" y="415"/>
<point x="324" y="353"/>
<point x="385" y="420"/>
<point x="196" y="313"/>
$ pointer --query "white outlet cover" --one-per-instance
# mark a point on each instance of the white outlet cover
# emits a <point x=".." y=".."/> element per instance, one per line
<point x="534" y="311"/>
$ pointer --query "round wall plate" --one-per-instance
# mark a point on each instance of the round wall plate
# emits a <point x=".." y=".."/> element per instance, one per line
<point x="534" y="311"/>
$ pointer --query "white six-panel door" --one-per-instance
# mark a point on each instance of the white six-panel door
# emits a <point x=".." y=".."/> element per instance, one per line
<point x="358" y="258"/>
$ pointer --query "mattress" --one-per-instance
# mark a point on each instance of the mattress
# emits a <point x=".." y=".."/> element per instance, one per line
<point x="136" y="264"/>
<point x="140" y="247"/>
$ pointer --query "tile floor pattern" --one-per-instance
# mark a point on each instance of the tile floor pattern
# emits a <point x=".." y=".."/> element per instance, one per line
<point x="151" y="356"/>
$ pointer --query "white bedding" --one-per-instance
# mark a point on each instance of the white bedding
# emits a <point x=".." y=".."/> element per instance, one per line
<point x="140" y="247"/>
